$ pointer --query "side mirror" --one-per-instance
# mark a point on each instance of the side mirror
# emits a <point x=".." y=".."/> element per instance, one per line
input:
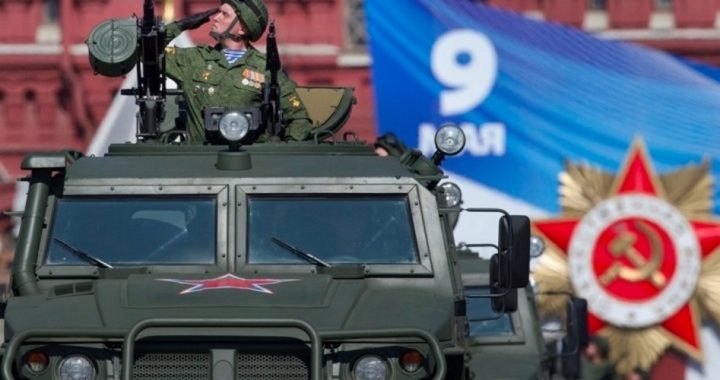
<point x="576" y="338"/>
<point x="5" y="295"/>
<point x="514" y="251"/>
<point x="577" y="318"/>
<point x="504" y="300"/>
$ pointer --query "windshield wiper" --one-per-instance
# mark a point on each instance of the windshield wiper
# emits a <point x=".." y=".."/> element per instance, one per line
<point x="302" y="254"/>
<point x="89" y="258"/>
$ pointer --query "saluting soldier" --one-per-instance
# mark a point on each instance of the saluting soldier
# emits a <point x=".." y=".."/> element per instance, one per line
<point x="232" y="72"/>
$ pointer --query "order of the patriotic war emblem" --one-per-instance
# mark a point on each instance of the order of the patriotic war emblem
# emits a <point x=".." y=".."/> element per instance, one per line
<point x="642" y="249"/>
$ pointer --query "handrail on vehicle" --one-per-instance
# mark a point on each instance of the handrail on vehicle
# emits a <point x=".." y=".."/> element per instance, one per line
<point x="315" y="342"/>
<point x="400" y="333"/>
<point x="16" y="340"/>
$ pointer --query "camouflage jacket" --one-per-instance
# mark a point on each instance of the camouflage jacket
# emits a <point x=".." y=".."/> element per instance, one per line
<point x="208" y="80"/>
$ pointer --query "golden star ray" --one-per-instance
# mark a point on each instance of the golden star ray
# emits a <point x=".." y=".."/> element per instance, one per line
<point x="690" y="190"/>
<point x="624" y="343"/>
<point x="553" y="273"/>
<point x="708" y="287"/>
<point x="582" y="187"/>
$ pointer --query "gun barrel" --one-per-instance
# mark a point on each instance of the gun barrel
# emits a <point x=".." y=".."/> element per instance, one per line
<point x="273" y="57"/>
<point x="148" y="16"/>
<point x="271" y="101"/>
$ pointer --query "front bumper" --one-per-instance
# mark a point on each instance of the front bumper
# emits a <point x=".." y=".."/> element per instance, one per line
<point x="317" y="341"/>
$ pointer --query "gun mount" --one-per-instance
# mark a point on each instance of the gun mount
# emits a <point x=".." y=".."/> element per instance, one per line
<point x="116" y="46"/>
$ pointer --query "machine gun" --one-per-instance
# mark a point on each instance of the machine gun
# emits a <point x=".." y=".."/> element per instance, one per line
<point x="270" y="108"/>
<point x="118" y="45"/>
<point x="151" y="91"/>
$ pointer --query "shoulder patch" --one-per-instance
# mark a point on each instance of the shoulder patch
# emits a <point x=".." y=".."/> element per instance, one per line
<point x="210" y="52"/>
<point x="260" y="54"/>
<point x="170" y="50"/>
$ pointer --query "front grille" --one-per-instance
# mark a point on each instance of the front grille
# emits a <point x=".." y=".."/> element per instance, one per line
<point x="252" y="362"/>
<point x="273" y="365"/>
<point x="172" y="366"/>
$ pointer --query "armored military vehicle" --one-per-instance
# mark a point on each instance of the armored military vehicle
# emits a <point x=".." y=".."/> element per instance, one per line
<point x="315" y="260"/>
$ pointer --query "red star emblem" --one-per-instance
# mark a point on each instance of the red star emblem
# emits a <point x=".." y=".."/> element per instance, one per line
<point x="633" y="260"/>
<point x="228" y="281"/>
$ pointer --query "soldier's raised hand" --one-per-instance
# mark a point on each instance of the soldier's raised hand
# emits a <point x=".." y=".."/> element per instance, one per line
<point x="194" y="21"/>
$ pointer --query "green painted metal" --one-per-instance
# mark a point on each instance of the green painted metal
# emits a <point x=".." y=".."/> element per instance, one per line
<point x="339" y="305"/>
<point x="112" y="47"/>
<point x="24" y="278"/>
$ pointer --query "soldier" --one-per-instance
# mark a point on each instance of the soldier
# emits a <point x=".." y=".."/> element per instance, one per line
<point x="7" y="254"/>
<point x="596" y="364"/>
<point x="389" y="145"/>
<point x="232" y="72"/>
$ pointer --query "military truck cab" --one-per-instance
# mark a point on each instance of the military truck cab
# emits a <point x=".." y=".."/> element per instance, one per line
<point x="286" y="260"/>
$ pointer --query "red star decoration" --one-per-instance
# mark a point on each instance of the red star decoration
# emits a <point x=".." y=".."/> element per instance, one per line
<point x="638" y="177"/>
<point x="228" y="281"/>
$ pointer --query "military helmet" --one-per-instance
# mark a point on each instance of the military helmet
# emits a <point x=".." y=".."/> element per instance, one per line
<point x="253" y="14"/>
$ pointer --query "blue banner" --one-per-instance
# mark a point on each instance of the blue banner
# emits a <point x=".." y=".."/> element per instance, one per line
<point x="530" y="95"/>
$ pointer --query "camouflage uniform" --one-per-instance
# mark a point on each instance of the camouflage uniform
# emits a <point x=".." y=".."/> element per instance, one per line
<point x="208" y="80"/>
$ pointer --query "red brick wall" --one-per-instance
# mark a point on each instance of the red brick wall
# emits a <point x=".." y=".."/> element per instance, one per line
<point x="20" y="20"/>
<point x="570" y="12"/>
<point x="625" y="14"/>
<point x="695" y="13"/>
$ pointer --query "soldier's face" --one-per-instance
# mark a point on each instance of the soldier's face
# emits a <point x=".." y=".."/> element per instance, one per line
<point x="223" y="18"/>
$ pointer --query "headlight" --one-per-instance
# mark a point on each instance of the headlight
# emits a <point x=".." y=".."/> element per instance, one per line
<point x="371" y="367"/>
<point x="537" y="246"/>
<point x="76" y="367"/>
<point x="234" y="126"/>
<point x="450" y="139"/>
<point x="451" y="194"/>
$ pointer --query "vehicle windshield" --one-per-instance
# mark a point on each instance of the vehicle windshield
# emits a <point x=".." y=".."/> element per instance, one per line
<point x="133" y="231"/>
<point x="334" y="229"/>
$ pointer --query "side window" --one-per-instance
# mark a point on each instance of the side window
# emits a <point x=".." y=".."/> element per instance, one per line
<point x="484" y="322"/>
<point x="356" y="34"/>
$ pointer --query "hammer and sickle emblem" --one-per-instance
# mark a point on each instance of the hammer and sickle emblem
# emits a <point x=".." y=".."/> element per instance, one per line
<point x="624" y="246"/>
